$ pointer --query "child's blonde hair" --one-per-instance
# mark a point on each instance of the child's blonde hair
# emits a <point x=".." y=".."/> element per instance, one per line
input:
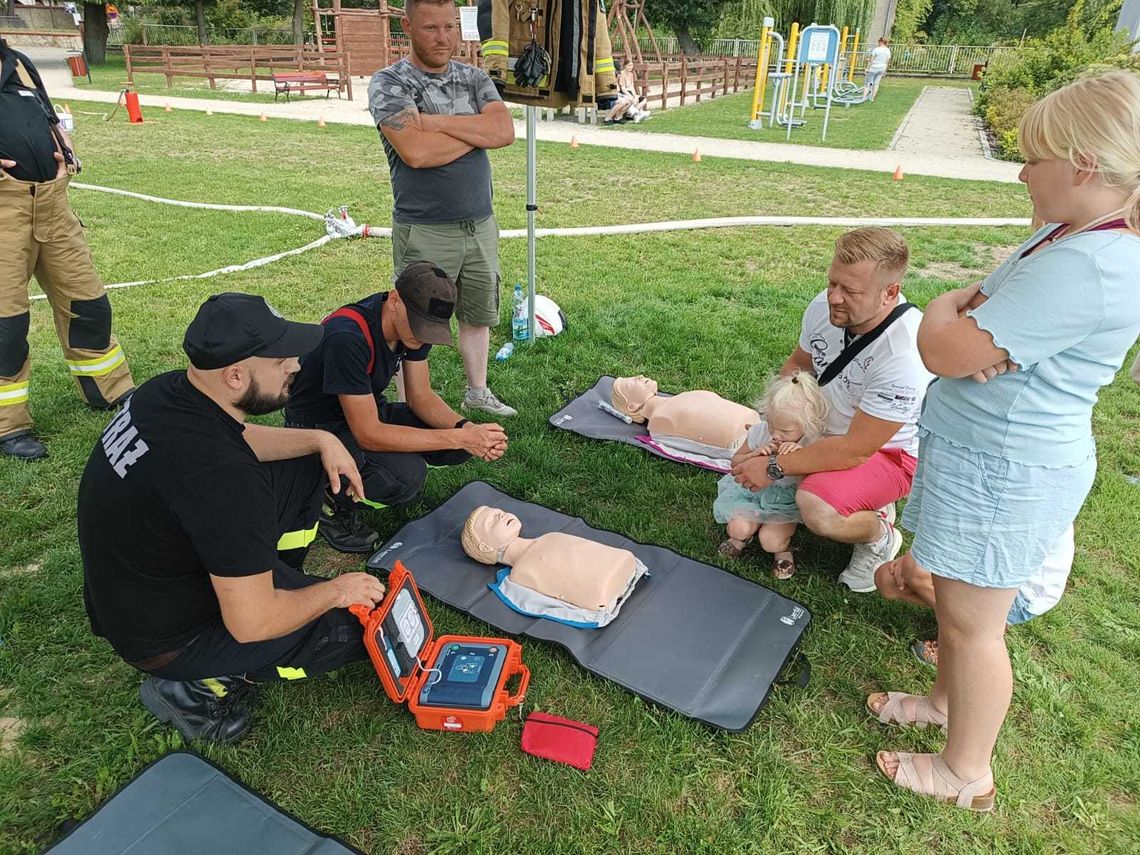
<point x="1095" y="120"/>
<point x="798" y="395"/>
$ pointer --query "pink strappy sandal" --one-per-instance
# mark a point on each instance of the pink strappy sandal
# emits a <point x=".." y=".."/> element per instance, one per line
<point x="928" y="775"/>
<point x="905" y="710"/>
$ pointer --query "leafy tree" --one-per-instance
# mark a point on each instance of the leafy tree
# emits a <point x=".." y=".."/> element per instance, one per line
<point x="95" y="32"/>
<point x="688" y="19"/>
<point x="909" y="15"/>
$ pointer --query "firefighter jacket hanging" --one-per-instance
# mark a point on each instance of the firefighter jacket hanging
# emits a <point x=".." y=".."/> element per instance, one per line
<point x="574" y="36"/>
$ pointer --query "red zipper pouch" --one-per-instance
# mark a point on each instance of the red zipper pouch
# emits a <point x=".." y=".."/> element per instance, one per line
<point x="560" y="739"/>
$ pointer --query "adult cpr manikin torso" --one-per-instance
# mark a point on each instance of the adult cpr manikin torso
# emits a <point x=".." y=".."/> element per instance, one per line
<point x="578" y="571"/>
<point x="559" y="576"/>
<point x="699" y="421"/>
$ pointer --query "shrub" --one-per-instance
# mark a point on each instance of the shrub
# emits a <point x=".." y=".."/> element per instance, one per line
<point x="1015" y="81"/>
<point x="1005" y="107"/>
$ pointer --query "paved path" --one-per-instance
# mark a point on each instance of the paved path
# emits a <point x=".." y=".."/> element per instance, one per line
<point x="941" y="120"/>
<point x="926" y="152"/>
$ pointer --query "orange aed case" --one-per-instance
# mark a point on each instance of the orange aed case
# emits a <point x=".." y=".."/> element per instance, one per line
<point x="407" y="689"/>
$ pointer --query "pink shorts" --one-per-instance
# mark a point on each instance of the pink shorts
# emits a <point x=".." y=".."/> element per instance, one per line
<point x="883" y="479"/>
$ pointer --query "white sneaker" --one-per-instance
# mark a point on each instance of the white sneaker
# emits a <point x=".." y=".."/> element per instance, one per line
<point x="488" y="403"/>
<point x="888" y="513"/>
<point x="866" y="558"/>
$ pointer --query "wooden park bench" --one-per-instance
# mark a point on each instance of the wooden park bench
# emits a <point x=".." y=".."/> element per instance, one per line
<point x="292" y="82"/>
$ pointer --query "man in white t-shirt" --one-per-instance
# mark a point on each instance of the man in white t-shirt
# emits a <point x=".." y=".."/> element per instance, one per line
<point x="866" y="460"/>
<point x="876" y="68"/>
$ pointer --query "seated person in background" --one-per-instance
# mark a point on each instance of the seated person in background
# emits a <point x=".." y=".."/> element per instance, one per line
<point x="697" y="421"/>
<point x="341" y="386"/>
<point x="792" y="414"/>
<point x="902" y="579"/>
<point x="560" y="576"/>
<point x="865" y="462"/>
<point x="630" y="105"/>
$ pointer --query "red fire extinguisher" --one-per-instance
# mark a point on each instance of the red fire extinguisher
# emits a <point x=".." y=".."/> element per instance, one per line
<point x="134" y="111"/>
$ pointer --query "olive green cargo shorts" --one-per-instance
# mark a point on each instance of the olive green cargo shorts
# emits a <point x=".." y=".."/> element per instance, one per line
<point x="467" y="251"/>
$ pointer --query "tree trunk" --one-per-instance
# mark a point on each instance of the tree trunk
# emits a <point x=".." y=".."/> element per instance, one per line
<point x="95" y="32"/>
<point x="687" y="42"/>
<point x="200" y="18"/>
<point x="298" y="22"/>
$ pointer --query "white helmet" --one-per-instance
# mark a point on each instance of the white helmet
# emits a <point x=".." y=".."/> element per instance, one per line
<point x="548" y="318"/>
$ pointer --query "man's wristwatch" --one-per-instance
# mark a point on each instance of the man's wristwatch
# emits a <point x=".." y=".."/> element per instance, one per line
<point x="775" y="471"/>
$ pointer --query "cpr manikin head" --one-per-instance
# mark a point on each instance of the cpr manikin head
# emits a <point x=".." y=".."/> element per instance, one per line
<point x="631" y="394"/>
<point x="488" y="532"/>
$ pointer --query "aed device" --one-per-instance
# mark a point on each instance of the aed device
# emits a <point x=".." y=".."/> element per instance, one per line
<point x="454" y="682"/>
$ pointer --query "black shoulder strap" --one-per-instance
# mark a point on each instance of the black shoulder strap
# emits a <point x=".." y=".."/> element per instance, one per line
<point x="860" y="344"/>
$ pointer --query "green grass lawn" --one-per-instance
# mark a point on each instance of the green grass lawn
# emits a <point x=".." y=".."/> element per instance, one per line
<point x="717" y="310"/>
<point x="867" y="126"/>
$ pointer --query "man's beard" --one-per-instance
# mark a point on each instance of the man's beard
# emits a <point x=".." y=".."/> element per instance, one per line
<point x="256" y="403"/>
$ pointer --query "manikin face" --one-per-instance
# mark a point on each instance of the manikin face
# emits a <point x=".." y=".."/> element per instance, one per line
<point x="784" y="427"/>
<point x="494" y="527"/>
<point x="855" y="294"/>
<point x="633" y="392"/>
<point x="434" y="34"/>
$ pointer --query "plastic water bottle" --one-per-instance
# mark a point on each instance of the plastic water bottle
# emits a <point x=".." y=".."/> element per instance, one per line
<point x="505" y="351"/>
<point x="519" y="319"/>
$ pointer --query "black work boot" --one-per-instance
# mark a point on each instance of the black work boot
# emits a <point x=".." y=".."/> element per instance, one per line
<point x="23" y="446"/>
<point x="346" y="531"/>
<point x="213" y="709"/>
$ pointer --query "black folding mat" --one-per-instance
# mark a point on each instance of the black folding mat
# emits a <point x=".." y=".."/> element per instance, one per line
<point x="692" y="637"/>
<point x="184" y="805"/>
<point x="583" y="417"/>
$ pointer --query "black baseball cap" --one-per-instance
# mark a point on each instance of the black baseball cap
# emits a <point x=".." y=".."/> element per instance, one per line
<point x="429" y="296"/>
<point x="231" y="327"/>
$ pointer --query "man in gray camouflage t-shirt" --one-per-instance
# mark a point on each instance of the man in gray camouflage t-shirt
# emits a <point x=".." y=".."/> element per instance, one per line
<point x="437" y="118"/>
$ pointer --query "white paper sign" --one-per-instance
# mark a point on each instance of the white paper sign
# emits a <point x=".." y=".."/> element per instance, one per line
<point x="818" y="44"/>
<point x="469" y="23"/>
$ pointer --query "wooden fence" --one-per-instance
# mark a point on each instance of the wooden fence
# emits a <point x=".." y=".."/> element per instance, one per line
<point x="681" y="81"/>
<point x="235" y="62"/>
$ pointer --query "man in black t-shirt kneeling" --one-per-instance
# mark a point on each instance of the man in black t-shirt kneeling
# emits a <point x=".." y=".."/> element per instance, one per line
<point x="341" y="386"/>
<point x="193" y="526"/>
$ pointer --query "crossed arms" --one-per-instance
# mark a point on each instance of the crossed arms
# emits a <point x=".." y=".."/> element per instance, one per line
<point x="425" y="140"/>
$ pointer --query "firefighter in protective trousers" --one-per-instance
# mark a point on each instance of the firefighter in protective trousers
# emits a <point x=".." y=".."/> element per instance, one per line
<point x="41" y="236"/>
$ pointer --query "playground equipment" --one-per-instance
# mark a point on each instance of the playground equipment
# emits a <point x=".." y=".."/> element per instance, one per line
<point x="812" y="69"/>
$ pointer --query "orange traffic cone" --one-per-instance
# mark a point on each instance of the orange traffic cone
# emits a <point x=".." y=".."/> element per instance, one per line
<point x="320" y="121"/>
<point x="263" y="118"/>
<point x="696" y="155"/>
<point x="898" y="176"/>
<point x="574" y="142"/>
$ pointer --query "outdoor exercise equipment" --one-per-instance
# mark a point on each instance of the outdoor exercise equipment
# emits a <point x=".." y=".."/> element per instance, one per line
<point x="768" y="69"/>
<point x="818" y="51"/>
<point x="809" y="71"/>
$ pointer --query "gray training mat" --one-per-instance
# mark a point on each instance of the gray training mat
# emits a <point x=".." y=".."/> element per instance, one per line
<point x="691" y="637"/>
<point x="583" y="417"/>
<point x="184" y="805"/>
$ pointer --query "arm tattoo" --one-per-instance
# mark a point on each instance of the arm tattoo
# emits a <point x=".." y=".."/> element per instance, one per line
<point x="399" y="121"/>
